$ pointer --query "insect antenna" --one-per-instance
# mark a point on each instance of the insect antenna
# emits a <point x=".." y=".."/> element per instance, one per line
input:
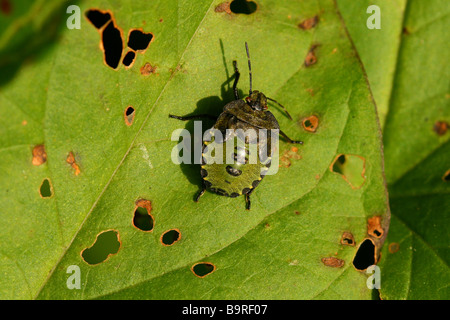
<point x="280" y="106"/>
<point x="249" y="67"/>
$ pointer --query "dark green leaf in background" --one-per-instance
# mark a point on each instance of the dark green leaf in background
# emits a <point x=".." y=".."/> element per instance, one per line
<point x="414" y="42"/>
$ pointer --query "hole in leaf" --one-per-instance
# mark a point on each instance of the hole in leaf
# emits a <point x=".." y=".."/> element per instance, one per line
<point x="365" y="256"/>
<point x="46" y="189"/>
<point x="351" y="168"/>
<point x="243" y="6"/>
<point x="347" y="239"/>
<point x="128" y="114"/>
<point x="142" y="219"/>
<point x="39" y="155"/>
<point x="310" y="123"/>
<point x="129" y="58"/>
<point x="139" y="40"/>
<point x="129" y="111"/>
<point x="446" y="176"/>
<point x="97" y="17"/>
<point x="202" y="269"/>
<point x="168" y="238"/>
<point x="106" y="244"/>
<point x="112" y="45"/>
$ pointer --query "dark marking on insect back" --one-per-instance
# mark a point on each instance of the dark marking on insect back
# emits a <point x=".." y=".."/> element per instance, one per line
<point x="204" y="173"/>
<point x="220" y="191"/>
<point x="256" y="183"/>
<point x="233" y="171"/>
<point x="239" y="159"/>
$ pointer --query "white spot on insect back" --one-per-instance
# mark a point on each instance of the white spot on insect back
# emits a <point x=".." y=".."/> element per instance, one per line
<point x="145" y="155"/>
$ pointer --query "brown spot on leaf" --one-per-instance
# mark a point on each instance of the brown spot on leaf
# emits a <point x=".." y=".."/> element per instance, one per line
<point x="309" y="23"/>
<point x="5" y="7"/>
<point x="333" y="262"/>
<point x="148" y="69"/>
<point x="347" y="239"/>
<point x="393" y="247"/>
<point x="374" y="227"/>
<point x="441" y="127"/>
<point x="71" y="160"/>
<point x="39" y="155"/>
<point x="311" y="91"/>
<point x="310" y="123"/>
<point x="202" y="269"/>
<point x="311" y="56"/>
<point x="223" y="7"/>
<point x="288" y="155"/>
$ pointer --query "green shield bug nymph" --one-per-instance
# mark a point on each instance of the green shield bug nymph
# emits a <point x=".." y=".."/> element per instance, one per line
<point x="240" y="176"/>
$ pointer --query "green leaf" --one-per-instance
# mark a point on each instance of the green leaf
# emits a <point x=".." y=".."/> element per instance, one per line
<point x="378" y="48"/>
<point x="100" y="169"/>
<point x="414" y="262"/>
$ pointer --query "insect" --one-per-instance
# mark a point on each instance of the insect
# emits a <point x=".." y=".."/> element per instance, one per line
<point x="240" y="177"/>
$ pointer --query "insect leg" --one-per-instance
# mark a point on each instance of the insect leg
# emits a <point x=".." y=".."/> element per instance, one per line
<point x="201" y="191"/>
<point x="236" y="79"/>
<point x="194" y="117"/>
<point x="287" y="113"/>
<point x="289" y="139"/>
<point x="247" y="199"/>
